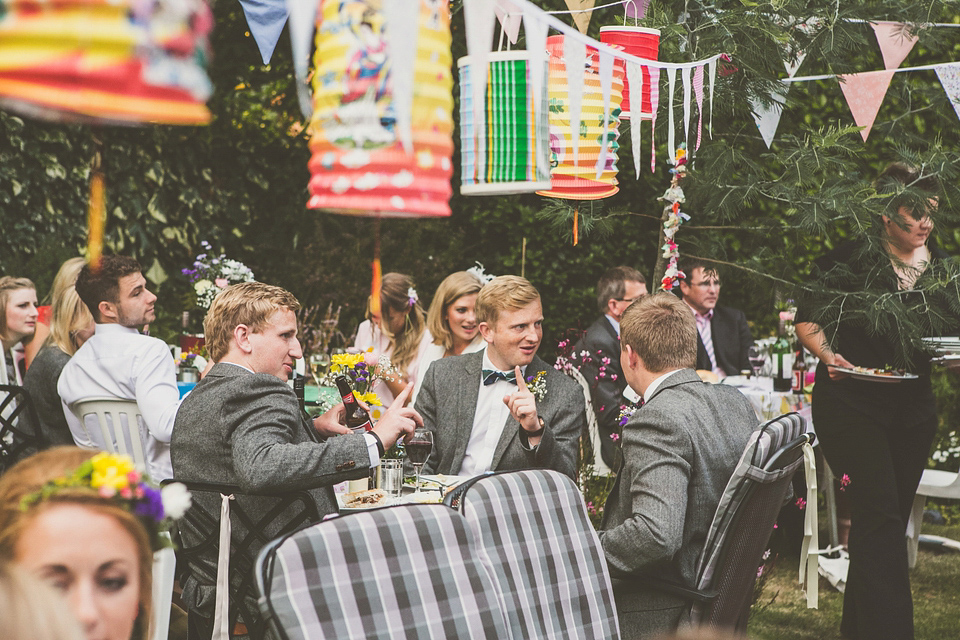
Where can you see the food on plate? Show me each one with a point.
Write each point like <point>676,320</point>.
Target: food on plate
<point>363,499</point>
<point>426,497</point>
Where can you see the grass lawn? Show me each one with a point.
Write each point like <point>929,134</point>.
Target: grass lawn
<point>781,613</point>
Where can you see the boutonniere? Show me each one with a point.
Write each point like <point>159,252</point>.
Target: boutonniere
<point>538,385</point>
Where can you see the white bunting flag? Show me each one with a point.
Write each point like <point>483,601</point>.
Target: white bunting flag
<point>303,21</point>
<point>635,90</point>
<point>654,105</point>
<point>510,17</point>
<point>712,72</point>
<point>767,117</point>
<point>671,129</point>
<point>685,77</point>
<point>949,75</point>
<point>480,18</point>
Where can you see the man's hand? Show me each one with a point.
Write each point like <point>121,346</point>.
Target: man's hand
<point>331,423</point>
<point>398,420</point>
<point>523,408</point>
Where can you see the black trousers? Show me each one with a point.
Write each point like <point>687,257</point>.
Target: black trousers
<point>883,450</point>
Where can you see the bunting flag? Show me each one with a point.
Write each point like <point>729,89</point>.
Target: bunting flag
<point>536,34</point>
<point>671,129</point>
<point>402,31</point>
<point>698,94</point>
<point>265,19</point>
<point>635,9</point>
<point>510,17</point>
<point>581,11</point>
<point>303,20</point>
<point>479,17</point>
<point>712,72</point>
<point>895,42</point>
<point>574,54</point>
<point>949,75</point>
<point>635,88</point>
<point>767,117</point>
<point>864,93</point>
<point>685,78</point>
<point>654,105</point>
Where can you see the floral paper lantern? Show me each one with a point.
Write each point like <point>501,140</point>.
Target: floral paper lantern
<point>642,43</point>
<point>575,178</point>
<point>358,163</point>
<point>106,61</point>
<point>507,152</point>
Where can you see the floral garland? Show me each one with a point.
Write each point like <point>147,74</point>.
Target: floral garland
<point>675,218</point>
<point>113,477</point>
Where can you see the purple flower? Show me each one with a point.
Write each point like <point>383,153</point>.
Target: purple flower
<point>151,506</point>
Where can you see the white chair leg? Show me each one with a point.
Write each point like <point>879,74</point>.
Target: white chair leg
<point>913,529</point>
<point>164,567</point>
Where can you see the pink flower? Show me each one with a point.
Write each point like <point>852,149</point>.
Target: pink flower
<point>844,481</point>
<point>106,491</point>
<point>801,503</point>
<point>615,437</point>
<point>221,282</point>
<point>786,316</point>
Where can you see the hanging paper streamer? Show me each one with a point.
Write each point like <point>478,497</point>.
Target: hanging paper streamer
<point>640,42</point>
<point>574,177</point>
<point>512,154</point>
<point>674,218</point>
<point>106,61</point>
<point>358,165</point>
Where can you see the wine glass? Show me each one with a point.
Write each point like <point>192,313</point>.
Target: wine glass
<point>318,365</point>
<point>757,359</point>
<point>418,449</point>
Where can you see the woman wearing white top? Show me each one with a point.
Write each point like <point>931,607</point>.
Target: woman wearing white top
<point>452,322</point>
<point>398,332</point>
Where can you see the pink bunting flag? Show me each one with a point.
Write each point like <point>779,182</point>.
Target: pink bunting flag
<point>864,93</point>
<point>698,94</point>
<point>895,42</point>
<point>636,9</point>
<point>510,17</point>
<point>949,75</point>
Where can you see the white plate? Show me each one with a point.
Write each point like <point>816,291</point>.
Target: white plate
<point>388,503</point>
<point>430,482</point>
<point>876,377</point>
<point>948,360</point>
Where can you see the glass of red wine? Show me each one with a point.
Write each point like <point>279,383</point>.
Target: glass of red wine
<point>418,449</point>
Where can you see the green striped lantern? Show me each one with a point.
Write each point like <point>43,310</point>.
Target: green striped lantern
<point>508,152</point>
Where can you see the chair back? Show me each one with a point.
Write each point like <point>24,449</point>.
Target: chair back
<point>20,434</point>
<point>120,428</point>
<point>744,521</point>
<point>408,571</point>
<point>532,530</point>
<point>600,468</point>
<point>255,520</point>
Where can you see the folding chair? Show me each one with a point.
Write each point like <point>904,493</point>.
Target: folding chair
<point>742,525</point>
<point>114,418</point>
<point>532,530</point>
<point>255,519</point>
<point>403,572</point>
<point>19,432</point>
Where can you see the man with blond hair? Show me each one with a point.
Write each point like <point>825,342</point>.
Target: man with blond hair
<point>243,425</point>
<point>679,450</point>
<point>502,408</point>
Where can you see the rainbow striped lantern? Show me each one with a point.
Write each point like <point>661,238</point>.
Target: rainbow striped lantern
<point>358,165</point>
<point>576,178</point>
<point>642,43</point>
<point>511,155</point>
<point>106,61</point>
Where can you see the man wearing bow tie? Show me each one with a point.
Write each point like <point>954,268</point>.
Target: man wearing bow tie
<point>485,409</point>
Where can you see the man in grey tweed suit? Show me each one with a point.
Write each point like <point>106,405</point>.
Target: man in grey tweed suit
<point>242,424</point>
<point>679,450</point>
<point>482,413</point>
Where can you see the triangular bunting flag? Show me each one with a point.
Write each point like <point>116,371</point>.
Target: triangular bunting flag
<point>712,73</point>
<point>949,75</point>
<point>654,105</point>
<point>698,94</point>
<point>685,78</point>
<point>671,129</point>
<point>303,20</point>
<point>510,17</point>
<point>635,9</point>
<point>635,90</point>
<point>864,93</point>
<point>480,18</point>
<point>402,31</point>
<point>794,63</point>
<point>895,42</point>
<point>581,12</point>
<point>265,19</point>
<point>768,117</point>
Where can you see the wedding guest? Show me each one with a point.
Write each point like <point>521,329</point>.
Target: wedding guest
<point>87,524</point>
<point>18,321</point>
<point>452,321</point>
<point>398,332</point>
<point>31,609</point>
<point>72,325</point>
<point>66,277</point>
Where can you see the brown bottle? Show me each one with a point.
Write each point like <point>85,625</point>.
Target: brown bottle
<point>357,417</point>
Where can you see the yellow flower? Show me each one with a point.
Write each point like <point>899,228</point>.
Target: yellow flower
<point>345,360</point>
<point>370,398</point>
<point>111,471</point>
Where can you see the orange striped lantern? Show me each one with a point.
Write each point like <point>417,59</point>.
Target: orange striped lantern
<point>576,178</point>
<point>642,43</point>
<point>358,165</point>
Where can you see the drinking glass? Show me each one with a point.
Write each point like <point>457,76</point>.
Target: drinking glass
<point>418,450</point>
<point>318,365</point>
<point>757,359</point>
<point>391,477</point>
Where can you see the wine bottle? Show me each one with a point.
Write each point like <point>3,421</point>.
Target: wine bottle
<point>799,371</point>
<point>357,417</point>
<point>782,364</point>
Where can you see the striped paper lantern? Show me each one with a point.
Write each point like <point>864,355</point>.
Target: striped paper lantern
<point>642,43</point>
<point>575,178</point>
<point>358,165</point>
<point>106,61</point>
<point>510,154</point>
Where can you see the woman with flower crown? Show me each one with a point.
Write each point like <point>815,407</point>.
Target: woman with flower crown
<point>87,523</point>
<point>398,332</point>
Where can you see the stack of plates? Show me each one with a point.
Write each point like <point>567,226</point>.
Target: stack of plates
<point>947,350</point>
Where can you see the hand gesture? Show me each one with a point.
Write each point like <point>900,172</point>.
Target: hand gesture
<point>331,423</point>
<point>522,405</point>
<point>398,420</point>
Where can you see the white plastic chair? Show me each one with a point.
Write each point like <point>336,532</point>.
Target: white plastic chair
<point>933,484</point>
<point>600,467</point>
<point>117,436</point>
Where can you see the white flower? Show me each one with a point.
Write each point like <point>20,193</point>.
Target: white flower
<point>412,297</point>
<point>176,500</point>
<point>480,274</point>
<point>200,286</point>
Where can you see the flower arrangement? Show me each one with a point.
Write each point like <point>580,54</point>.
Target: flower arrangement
<point>363,371</point>
<point>113,477</point>
<point>537,384</point>
<point>211,275</point>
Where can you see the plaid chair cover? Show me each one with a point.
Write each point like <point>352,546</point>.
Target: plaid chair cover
<point>400,572</point>
<point>551,575</point>
<point>19,426</point>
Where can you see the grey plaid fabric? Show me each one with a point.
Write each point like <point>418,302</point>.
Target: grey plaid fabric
<point>399,572</point>
<point>533,531</point>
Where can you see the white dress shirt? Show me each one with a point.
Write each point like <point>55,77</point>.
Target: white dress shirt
<point>652,389</point>
<point>488,423</point>
<point>119,362</point>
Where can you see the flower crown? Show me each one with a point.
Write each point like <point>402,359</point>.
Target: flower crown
<point>480,274</point>
<point>114,477</point>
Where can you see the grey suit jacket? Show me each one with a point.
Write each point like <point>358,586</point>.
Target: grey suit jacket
<point>679,451</point>
<point>238,427</point>
<point>448,403</point>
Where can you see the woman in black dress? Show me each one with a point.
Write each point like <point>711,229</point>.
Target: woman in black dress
<point>878,435</point>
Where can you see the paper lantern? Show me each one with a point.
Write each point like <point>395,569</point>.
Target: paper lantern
<point>358,165</point>
<point>642,43</point>
<point>576,178</point>
<point>511,154</point>
<point>106,61</point>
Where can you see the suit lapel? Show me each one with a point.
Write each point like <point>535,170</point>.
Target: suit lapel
<point>466,389</point>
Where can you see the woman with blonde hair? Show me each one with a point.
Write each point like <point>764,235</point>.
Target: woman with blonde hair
<point>18,321</point>
<point>398,332</point>
<point>87,523</point>
<point>452,322</point>
<point>65,279</point>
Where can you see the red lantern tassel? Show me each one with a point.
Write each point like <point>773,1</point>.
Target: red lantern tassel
<point>377,273</point>
<point>96,218</point>
<point>576,231</point>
